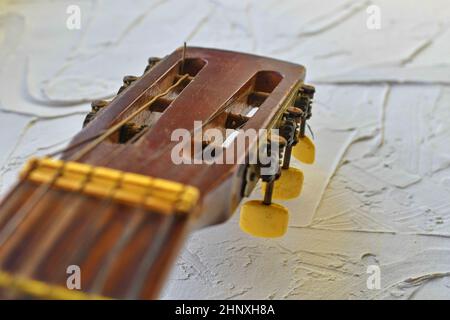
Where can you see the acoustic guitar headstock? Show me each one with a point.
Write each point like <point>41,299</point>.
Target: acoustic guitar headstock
<point>208,119</point>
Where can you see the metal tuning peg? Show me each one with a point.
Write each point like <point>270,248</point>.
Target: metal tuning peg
<point>289,130</point>
<point>96,106</point>
<point>127,81</point>
<point>278,142</point>
<point>265,218</point>
<point>152,61</point>
<point>289,184</point>
<point>304,149</point>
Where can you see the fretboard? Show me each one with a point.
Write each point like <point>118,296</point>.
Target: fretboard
<point>121,251</point>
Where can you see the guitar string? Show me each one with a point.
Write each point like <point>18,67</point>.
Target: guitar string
<point>108,198</point>
<point>104,268</point>
<point>38,255</point>
<point>4,212</point>
<point>118,125</point>
<point>6,232</point>
<point>103,136</point>
<point>74,146</point>
<point>106,134</point>
<point>161,236</point>
<point>35,215</point>
<point>144,268</point>
<point>28,206</point>
<point>151,256</point>
<point>113,129</point>
<point>123,240</point>
<point>91,229</point>
<point>126,236</point>
<point>10,200</point>
<point>130,228</point>
<point>53,232</point>
<point>137,217</point>
<point>128,232</point>
<point>16,193</point>
<point>138,284</point>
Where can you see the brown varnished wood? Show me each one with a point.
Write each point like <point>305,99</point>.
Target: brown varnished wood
<point>217,78</point>
<point>224,74</point>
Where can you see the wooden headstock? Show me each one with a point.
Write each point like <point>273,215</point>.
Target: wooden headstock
<point>222,89</point>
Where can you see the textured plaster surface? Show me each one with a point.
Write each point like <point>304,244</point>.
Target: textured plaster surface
<point>379,193</point>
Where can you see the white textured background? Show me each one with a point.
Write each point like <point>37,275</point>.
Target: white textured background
<point>380,191</point>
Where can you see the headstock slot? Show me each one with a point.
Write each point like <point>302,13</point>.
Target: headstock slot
<point>243,105</point>
<point>253,94</point>
<point>147,118</point>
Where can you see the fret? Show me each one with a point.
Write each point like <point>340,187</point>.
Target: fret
<point>151,245</point>
<point>43,173</point>
<point>98,182</point>
<point>59,226</point>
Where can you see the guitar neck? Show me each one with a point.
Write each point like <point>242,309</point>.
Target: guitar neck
<point>121,250</point>
<point>108,218</point>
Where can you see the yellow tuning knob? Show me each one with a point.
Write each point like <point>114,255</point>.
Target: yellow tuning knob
<point>264,220</point>
<point>288,186</point>
<point>304,150</point>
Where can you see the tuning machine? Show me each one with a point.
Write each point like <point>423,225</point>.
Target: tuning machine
<point>304,149</point>
<point>96,106</point>
<point>152,61</point>
<point>290,182</point>
<point>263,218</point>
<point>127,81</point>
